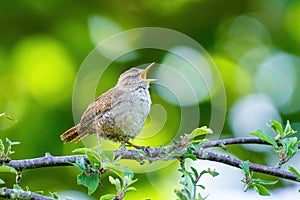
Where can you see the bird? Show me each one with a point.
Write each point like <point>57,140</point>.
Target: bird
<point>119,114</point>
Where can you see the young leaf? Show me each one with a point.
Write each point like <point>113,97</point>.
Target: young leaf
<point>200,131</point>
<point>130,189</point>
<point>80,163</point>
<point>288,131</point>
<point>2,181</point>
<point>261,190</point>
<point>196,174</point>
<point>7,169</point>
<point>265,136</point>
<point>245,167</point>
<point>17,187</point>
<point>90,181</point>
<point>277,127</point>
<point>112,180</point>
<point>93,157</point>
<point>294,171</point>
<point>264,182</point>
<point>54,195</point>
<point>116,182</point>
<point>213,173</point>
<point>107,197</point>
<point>79,150</point>
<point>107,156</point>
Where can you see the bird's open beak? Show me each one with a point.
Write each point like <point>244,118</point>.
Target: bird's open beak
<point>144,74</point>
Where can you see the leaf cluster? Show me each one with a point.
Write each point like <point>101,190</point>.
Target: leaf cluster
<point>100,162</point>
<point>285,145</point>
<point>256,183</point>
<point>190,181</point>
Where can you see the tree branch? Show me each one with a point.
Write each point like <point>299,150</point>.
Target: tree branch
<point>231,141</point>
<point>152,154</point>
<point>20,194</point>
<point>238,140</point>
<point>207,155</point>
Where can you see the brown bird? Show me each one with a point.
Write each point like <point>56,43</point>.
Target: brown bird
<point>120,113</point>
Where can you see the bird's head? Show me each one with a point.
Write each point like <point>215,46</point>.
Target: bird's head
<point>135,77</point>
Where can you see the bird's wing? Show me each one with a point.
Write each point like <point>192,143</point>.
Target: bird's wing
<point>99,106</point>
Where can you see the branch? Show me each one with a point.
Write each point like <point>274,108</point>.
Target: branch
<point>41,162</point>
<point>238,140</point>
<point>153,154</point>
<point>230,141</point>
<point>207,155</point>
<point>20,194</point>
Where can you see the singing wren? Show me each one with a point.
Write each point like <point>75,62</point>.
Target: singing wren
<point>118,114</point>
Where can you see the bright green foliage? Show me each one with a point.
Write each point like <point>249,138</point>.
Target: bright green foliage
<point>280,133</point>
<point>265,136</point>
<point>285,145</point>
<point>288,149</point>
<point>199,132</point>
<point>190,181</point>
<point>53,195</point>
<point>255,183</point>
<point>5,152</point>
<point>294,171</point>
<point>91,181</point>
<point>99,163</point>
<point>122,187</point>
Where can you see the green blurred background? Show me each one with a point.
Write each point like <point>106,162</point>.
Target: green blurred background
<point>254,43</point>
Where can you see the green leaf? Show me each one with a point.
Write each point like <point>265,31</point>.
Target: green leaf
<point>107,156</point>
<point>80,163</point>
<point>7,169</point>
<point>93,157</point>
<point>265,136</point>
<point>277,127</point>
<point>116,182</point>
<point>261,190</point>
<point>39,192</point>
<point>90,181</point>
<point>289,146</point>
<point>131,189</point>
<point>213,173</point>
<point>54,195</point>
<point>245,167</point>
<point>294,171</point>
<point>79,150</point>
<point>2,181</point>
<point>112,180</point>
<point>120,170</point>
<point>17,187</point>
<point>264,182</point>
<point>288,131</point>
<point>2,147</point>
<point>196,174</point>
<point>131,181</point>
<point>107,197</point>
<point>200,131</point>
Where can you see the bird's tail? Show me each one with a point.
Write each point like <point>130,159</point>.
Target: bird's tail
<point>70,135</point>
